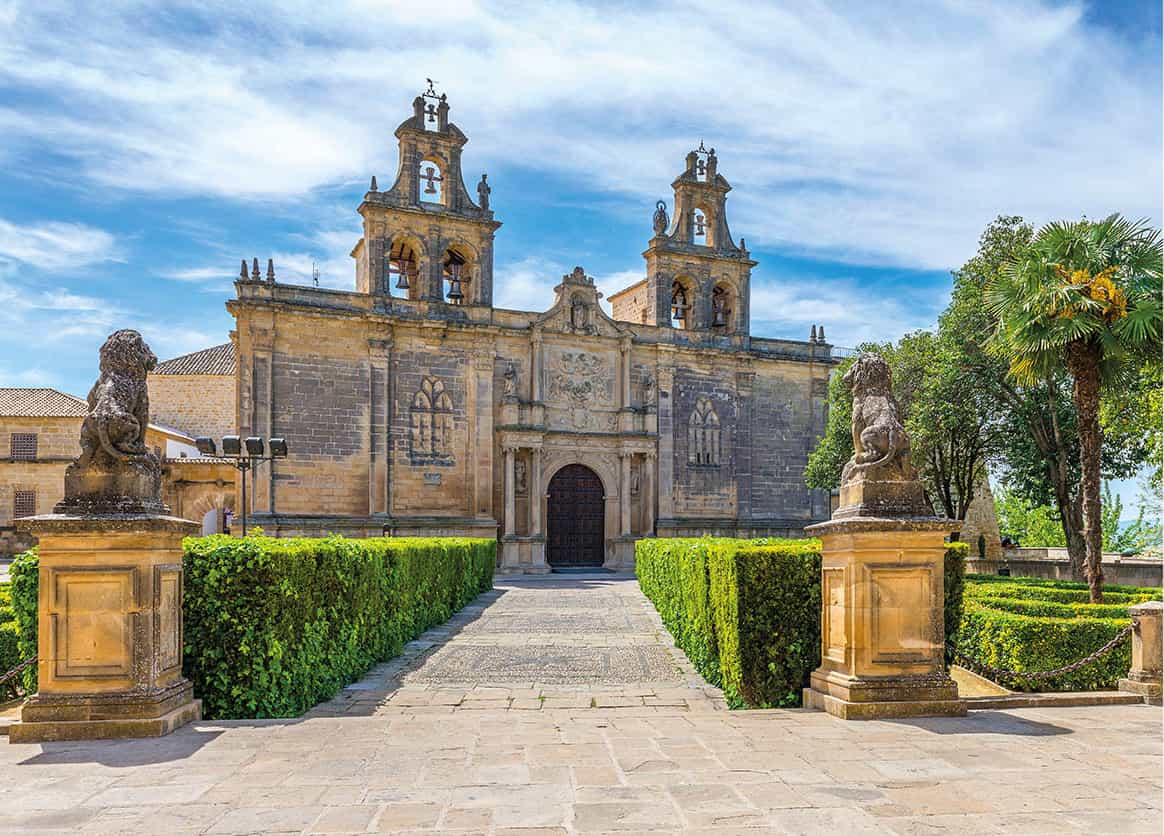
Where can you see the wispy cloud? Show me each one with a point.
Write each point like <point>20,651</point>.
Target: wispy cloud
<point>54,246</point>
<point>895,148</point>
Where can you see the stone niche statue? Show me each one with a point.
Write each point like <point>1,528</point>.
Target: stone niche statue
<point>116,473</point>
<point>659,221</point>
<point>878,481</point>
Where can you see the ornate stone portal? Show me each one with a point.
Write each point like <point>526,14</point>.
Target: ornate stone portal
<point>882,590</point>
<point>110,605</point>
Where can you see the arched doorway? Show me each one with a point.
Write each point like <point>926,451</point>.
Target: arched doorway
<point>576,526</point>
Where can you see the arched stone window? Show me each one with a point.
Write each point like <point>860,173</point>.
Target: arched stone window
<point>703,435</point>
<point>721,307</point>
<point>431,181</point>
<point>457,271</point>
<point>432,423</point>
<point>680,305</point>
<point>701,227</point>
<point>404,268</point>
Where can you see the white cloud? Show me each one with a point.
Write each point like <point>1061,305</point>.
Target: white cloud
<point>850,312</point>
<point>848,131</point>
<point>53,246</point>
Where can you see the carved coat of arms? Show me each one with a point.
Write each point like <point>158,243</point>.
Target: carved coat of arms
<point>580,382</point>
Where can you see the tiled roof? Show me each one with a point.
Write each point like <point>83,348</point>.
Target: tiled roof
<point>41,403</point>
<point>218,359</point>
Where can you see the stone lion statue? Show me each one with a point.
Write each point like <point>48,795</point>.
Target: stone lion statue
<point>879,438</point>
<point>113,432</point>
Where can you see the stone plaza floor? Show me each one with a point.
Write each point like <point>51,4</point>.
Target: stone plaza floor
<point>559,705</point>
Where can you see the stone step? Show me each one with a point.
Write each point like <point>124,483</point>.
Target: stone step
<point>1063,699</point>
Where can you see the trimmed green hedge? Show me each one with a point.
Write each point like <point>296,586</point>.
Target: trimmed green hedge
<point>747,612</point>
<point>9,651</point>
<point>1035,624</point>
<point>25,589</point>
<point>275,626</point>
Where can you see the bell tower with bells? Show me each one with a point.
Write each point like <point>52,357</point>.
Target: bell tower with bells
<point>698,278</point>
<point>425,239</point>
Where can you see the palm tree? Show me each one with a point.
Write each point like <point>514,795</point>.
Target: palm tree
<point>1086,296</point>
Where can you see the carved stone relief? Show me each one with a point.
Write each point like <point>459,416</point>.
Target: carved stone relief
<point>581,392</point>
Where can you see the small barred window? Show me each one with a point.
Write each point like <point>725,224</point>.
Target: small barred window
<point>23,446</point>
<point>24,504</point>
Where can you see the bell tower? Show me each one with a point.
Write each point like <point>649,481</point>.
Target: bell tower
<point>698,278</point>
<point>425,239</point>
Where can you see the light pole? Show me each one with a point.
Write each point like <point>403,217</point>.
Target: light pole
<point>247,454</point>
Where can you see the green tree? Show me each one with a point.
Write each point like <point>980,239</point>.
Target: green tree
<point>1083,296</point>
<point>1026,523</point>
<point>1036,450</point>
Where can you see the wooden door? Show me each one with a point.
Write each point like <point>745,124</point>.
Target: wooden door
<point>576,534</point>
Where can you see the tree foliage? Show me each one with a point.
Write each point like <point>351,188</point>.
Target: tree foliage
<point>1082,297</point>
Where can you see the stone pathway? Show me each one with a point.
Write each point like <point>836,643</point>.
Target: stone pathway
<point>469,743</point>
<point>565,641</point>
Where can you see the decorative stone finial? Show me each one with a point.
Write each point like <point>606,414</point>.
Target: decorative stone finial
<point>878,481</point>
<point>116,473</point>
<point>812,335</point>
<point>270,271</point>
<point>374,187</point>
<point>255,270</point>
<point>242,275</point>
<point>483,192</point>
<point>660,220</point>
<point>821,335</point>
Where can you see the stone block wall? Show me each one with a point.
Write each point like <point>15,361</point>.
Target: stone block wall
<point>196,404</point>
<point>57,445</point>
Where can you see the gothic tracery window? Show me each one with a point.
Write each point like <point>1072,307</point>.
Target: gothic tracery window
<point>432,422</point>
<point>703,435</point>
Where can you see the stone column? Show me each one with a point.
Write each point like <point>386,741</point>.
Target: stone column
<point>882,585</point>
<point>649,463</point>
<point>1145,675</point>
<point>666,487</point>
<point>625,373</point>
<point>535,492</point>
<point>510,499</point>
<point>624,498</point>
<point>535,366</point>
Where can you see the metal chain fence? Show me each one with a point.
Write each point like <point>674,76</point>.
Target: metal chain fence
<point>998,674</point>
<point>17,671</point>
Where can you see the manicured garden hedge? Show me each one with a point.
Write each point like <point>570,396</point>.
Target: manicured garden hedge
<point>274,626</point>
<point>1028,624</point>
<point>747,612</point>
<point>9,653</point>
<point>24,590</point>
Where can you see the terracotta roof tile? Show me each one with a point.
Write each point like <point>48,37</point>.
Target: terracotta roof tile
<point>41,403</point>
<point>217,359</point>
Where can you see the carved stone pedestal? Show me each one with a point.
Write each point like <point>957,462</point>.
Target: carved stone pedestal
<point>882,628</point>
<point>523,554</point>
<point>110,629</point>
<point>1145,677</point>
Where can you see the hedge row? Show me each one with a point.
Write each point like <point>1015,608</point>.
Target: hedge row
<point>9,652</point>
<point>1016,589</point>
<point>274,626</point>
<point>747,612</point>
<point>1034,624</point>
<point>24,589</point>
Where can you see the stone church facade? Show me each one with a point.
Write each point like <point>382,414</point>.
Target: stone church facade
<point>413,406</point>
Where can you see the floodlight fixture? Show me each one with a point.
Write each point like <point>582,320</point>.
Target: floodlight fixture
<point>278,448</point>
<point>231,445</point>
<point>254,446</point>
<point>206,446</point>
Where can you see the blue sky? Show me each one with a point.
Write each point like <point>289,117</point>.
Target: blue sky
<point>146,148</point>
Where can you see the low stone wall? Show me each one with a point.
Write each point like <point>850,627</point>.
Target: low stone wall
<point>1053,564</point>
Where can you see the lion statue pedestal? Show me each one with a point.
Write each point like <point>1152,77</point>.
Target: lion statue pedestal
<point>110,617</point>
<point>882,584</point>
